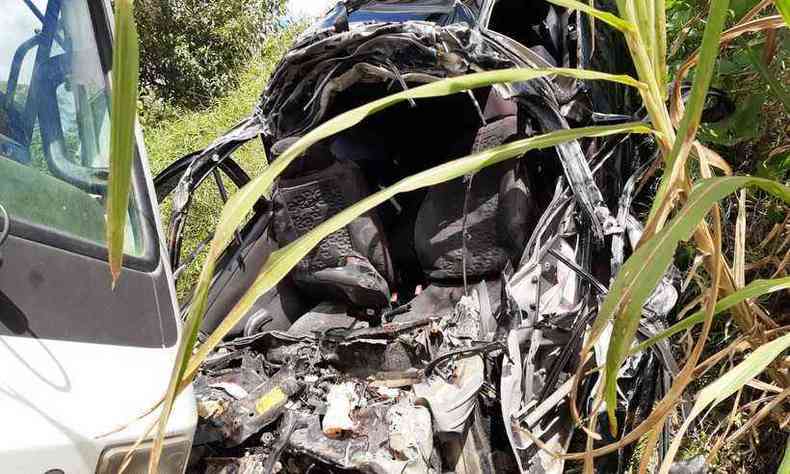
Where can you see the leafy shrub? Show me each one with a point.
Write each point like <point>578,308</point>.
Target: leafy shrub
<point>192,50</point>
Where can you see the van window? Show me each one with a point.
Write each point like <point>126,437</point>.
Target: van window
<point>54,122</point>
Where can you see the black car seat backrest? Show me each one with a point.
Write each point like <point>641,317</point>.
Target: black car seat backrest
<point>499,208</point>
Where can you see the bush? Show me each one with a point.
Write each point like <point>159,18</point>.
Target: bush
<point>192,50</point>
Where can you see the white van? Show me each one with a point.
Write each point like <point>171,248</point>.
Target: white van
<point>79,362</point>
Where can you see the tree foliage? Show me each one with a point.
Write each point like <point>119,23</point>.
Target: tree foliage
<point>192,51</point>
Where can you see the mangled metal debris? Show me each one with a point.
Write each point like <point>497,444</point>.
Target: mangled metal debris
<point>386,422</point>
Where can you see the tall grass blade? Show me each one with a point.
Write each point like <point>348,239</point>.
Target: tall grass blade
<point>739,254</point>
<point>728,384</point>
<point>687,129</point>
<point>282,261</point>
<point>660,18</point>
<point>755,289</point>
<point>784,8</point>
<point>242,202</point>
<point>606,17</point>
<point>646,266</point>
<point>785,467</point>
<point>125,75</point>
<point>646,22</point>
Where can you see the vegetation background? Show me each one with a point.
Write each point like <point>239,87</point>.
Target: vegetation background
<point>192,51</point>
<point>204,64</point>
<point>754,72</point>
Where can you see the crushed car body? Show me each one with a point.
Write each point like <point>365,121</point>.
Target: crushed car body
<point>439,332</point>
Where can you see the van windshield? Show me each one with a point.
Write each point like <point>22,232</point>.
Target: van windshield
<point>54,123</point>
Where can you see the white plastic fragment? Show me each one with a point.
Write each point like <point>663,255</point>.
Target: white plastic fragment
<point>234,390</point>
<point>341,401</point>
<point>452,403</point>
<point>411,436</point>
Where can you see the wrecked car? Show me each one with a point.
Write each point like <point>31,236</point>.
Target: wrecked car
<point>438,332</point>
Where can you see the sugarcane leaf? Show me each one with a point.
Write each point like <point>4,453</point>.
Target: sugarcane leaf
<point>646,24</point>
<point>125,75</point>
<point>755,289</point>
<point>738,376</point>
<point>785,467</point>
<point>283,260</point>
<point>661,45</point>
<point>242,202</point>
<point>687,129</point>
<point>606,17</point>
<point>784,8</point>
<point>644,269</point>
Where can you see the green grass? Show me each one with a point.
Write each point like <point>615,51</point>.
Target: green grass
<point>171,133</point>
